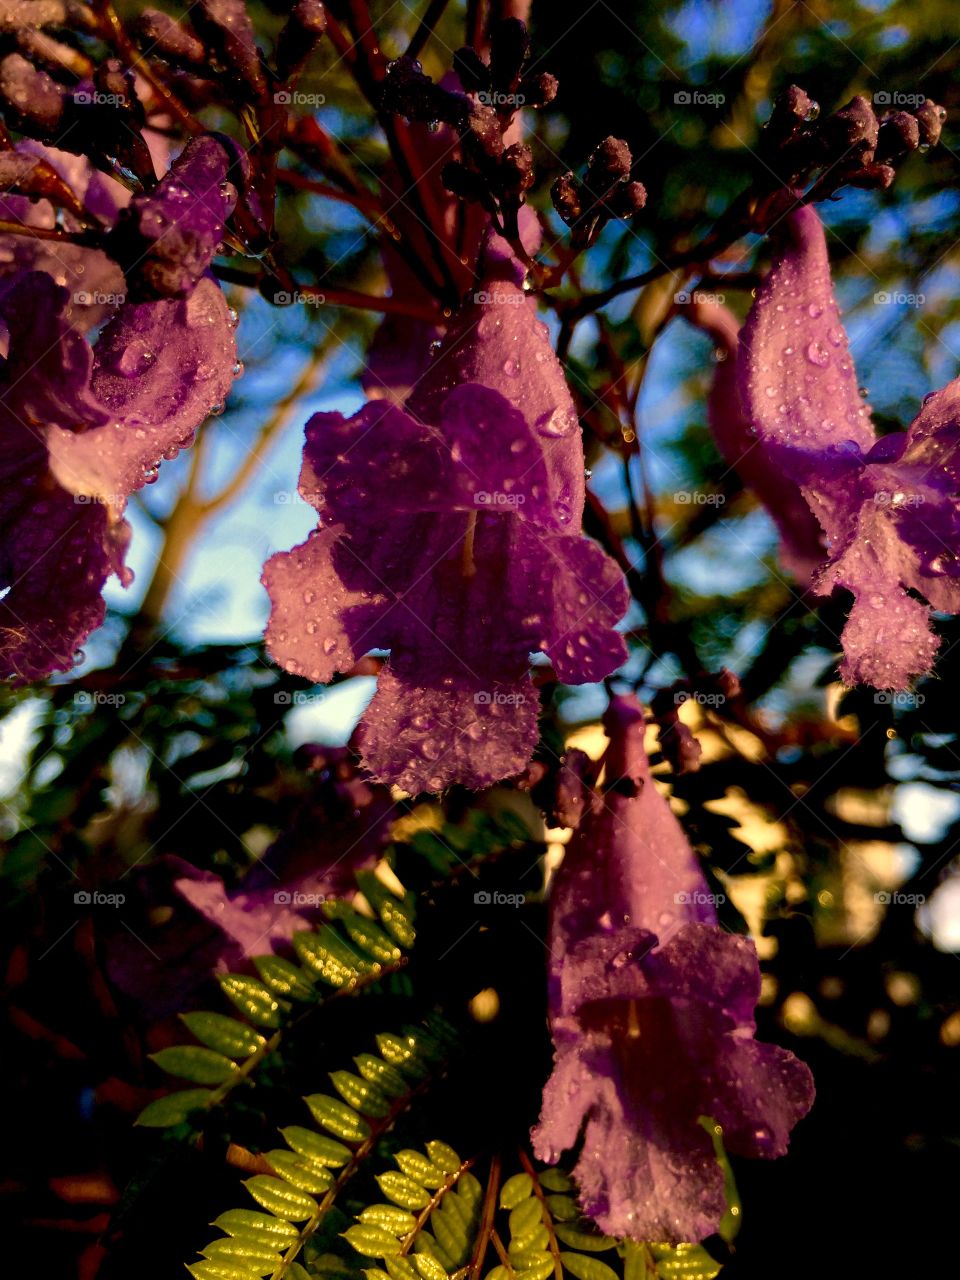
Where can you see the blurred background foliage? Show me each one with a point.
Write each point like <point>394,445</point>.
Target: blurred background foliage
<point>831,818</point>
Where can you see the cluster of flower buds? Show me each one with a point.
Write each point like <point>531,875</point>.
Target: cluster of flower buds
<point>100,117</point>
<point>606,191</point>
<point>708,689</point>
<point>852,147</point>
<point>221,44</point>
<point>493,170</point>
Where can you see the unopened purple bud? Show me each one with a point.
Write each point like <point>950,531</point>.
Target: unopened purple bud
<point>609,163</point>
<point>472,72</point>
<point>509,50</point>
<point>930,118</point>
<point>873,177</point>
<point>162,34</point>
<point>227,26</point>
<point>567,196</point>
<point>35,100</point>
<point>485,132</point>
<point>517,169</point>
<point>792,109</point>
<point>301,35</point>
<point>539,90</point>
<point>899,134</point>
<point>854,128</point>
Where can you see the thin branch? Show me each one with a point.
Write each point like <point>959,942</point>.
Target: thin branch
<point>486,1218</point>
<point>425,30</point>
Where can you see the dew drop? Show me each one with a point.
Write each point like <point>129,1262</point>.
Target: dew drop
<point>818,355</point>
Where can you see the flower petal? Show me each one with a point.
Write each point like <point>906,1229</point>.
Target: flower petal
<point>426,739</point>
<point>797,380</point>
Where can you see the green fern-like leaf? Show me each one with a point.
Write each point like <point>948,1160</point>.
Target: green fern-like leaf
<point>349,952</point>
<point>309,1173</point>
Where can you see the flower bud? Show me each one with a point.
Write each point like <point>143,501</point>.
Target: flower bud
<point>930,118</point>
<point>165,36</point>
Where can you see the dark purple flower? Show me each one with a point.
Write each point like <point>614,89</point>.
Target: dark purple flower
<point>888,507</point>
<point>450,535</point>
<point>83,427</point>
<point>194,924</point>
<point>801,538</point>
<point>652,1018</point>
<point>166,240</point>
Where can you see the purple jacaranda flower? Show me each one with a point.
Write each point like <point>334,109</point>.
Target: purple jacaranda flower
<point>450,535</point>
<point>82,428</point>
<point>339,827</point>
<point>651,1006</point>
<point>801,538</point>
<point>888,507</point>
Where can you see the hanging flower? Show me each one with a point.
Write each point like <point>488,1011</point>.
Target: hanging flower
<point>888,507</point>
<point>652,1017</point>
<point>450,535</point>
<point>83,427</point>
